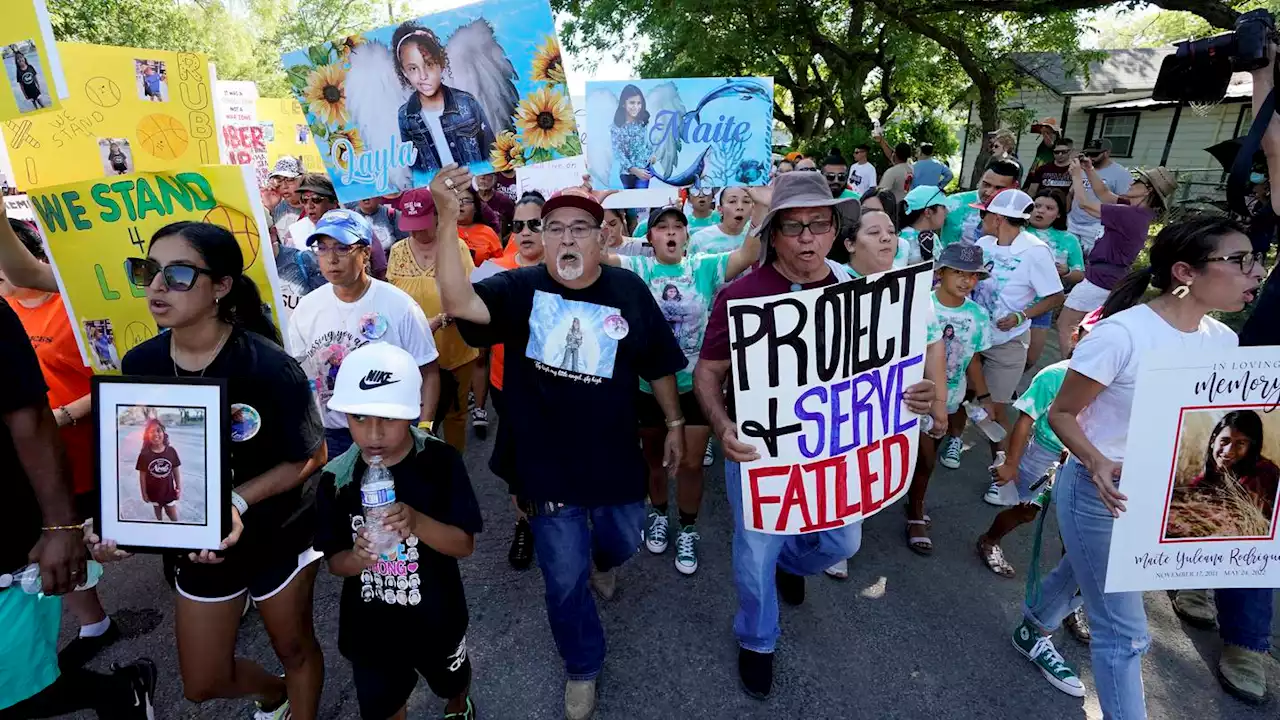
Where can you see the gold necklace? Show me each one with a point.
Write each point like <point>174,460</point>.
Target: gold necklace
<point>207,361</point>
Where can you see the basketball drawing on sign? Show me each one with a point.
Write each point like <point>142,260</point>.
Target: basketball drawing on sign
<point>163,136</point>
<point>240,225</point>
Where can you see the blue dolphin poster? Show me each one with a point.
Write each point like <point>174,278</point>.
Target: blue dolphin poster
<point>686,132</point>
<point>481,85</point>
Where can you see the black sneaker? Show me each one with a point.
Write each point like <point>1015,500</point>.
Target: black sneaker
<point>756,672</point>
<point>140,678</point>
<point>790,587</point>
<point>521,554</point>
<point>83,649</point>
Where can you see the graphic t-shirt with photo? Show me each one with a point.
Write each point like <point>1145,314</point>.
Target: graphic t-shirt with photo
<point>713,240</point>
<point>966,331</point>
<point>574,360</point>
<point>963,223</point>
<point>158,470</point>
<point>684,293</point>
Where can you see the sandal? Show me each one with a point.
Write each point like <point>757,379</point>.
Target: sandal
<point>993,556</point>
<point>921,545</point>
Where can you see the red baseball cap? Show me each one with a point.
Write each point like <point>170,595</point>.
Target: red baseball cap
<point>417,210</point>
<point>565,199</point>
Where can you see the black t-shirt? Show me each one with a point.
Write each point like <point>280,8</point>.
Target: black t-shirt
<point>158,465</point>
<point>263,379</point>
<point>24,388</point>
<point>419,596</point>
<point>1051,177</point>
<point>573,365</point>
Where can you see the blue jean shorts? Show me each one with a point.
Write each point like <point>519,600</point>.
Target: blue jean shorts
<point>28,644</point>
<point>1036,461</point>
<point>1043,321</point>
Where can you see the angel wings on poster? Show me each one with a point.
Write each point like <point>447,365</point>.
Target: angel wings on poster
<point>482,85</point>
<point>690,132</point>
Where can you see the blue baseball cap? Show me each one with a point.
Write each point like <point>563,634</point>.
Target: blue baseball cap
<point>346,226</point>
<point>925,196</point>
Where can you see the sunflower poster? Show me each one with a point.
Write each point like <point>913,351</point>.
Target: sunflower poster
<point>1201,474</point>
<point>32,66</point>
<point>131,110</point>
<point>687,132</point>
<point>92,227</point>
<point>481,85</point>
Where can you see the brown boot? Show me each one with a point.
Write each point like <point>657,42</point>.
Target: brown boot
<point>1196,608</point>
<point>1243,673</point>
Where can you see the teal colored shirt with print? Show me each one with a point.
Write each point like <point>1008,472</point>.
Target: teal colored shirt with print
<point>713,240</point>
<point>684,293</point>
<point>1036,401</point>
<point>1065,247</point>
<point>962,223</point>
<point>695,224</point>
<point>965,331</point>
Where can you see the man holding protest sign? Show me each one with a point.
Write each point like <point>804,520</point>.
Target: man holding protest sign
<point>798,232</point>
<point>592,332</point>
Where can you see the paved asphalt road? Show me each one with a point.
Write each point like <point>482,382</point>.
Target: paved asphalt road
<point>903,637</point>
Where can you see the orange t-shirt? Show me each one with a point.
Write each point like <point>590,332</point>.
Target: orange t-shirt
<point>498,354</point>
<point>481,240</point>
<point>66,375</point>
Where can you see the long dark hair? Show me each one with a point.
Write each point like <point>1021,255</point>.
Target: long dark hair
<point>889,201</point>
<point>620,115</point>
<point>484,215</point>
<point>428,43</point>
<point>242,306</point>
<point>1061,201</point>
<point>1189,241</point>
<point>1247,423</point>
<point>29,238</point>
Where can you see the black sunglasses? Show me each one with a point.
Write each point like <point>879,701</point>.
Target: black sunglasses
<point>517,226</point>
<point>838,177</point>
<point>178,276</point>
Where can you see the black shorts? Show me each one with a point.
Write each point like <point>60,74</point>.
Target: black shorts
<point>272,550</point>
<point>383,690</point>
<point>650,412</point>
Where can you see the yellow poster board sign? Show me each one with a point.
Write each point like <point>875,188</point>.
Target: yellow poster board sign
<point>92,227</point>
<point>287,132</point>
<point>32,70</point>
<point>130,111</point>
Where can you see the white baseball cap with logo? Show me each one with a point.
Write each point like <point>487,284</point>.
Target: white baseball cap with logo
<point>1011,202</point>
<point>378,380</point>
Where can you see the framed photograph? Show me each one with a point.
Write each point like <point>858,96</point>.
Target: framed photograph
<point>160,459</point>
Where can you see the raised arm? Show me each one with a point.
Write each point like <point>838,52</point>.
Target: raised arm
<point>1098,186</point>
<point>1264,83</point>
<point>1088,204</point>
<point>19,266</point>
<point>749,252</point>
<point>457,297</point>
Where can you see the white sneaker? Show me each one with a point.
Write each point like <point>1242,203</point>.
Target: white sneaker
<point>998,495</point>
<point>655,536</point>
<point>839,571</point>
<point>708,456</point>
<point>579,699</point>
<point>950,455</point>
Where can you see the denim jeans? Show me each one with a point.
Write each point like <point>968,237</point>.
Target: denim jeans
<point>566,539</point>
<point>1118,620</point>
<point>1244,617</point>
<point>757,554</point>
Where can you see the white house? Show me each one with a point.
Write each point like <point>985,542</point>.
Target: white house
<point>1114,101</point>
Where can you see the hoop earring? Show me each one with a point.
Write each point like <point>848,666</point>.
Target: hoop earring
<point>1182,291</point>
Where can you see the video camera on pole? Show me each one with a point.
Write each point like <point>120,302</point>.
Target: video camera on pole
<point>1200,70</point>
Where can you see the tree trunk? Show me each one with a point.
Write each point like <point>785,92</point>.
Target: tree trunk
<point>989,117</point>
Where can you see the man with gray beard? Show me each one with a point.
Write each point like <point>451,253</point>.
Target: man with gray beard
<point>579,336</point>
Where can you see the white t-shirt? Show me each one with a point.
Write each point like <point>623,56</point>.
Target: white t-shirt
<point>1020,272</point>
<point>1117,178</point>
<point>432,119</point>
<point>324,330</point>
<point>299,232</point>
<point>862,177</point>
<point>713,240</point>
<point>1111,355</point>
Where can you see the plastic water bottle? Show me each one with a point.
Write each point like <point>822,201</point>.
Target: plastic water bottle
<point>989,427</point>
<point>28,578</point>
<point>377,495</point>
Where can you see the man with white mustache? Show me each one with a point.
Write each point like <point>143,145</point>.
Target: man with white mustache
<point>579,336</point>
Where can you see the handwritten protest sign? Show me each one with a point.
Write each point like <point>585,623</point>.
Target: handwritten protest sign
<point>240,137</point>
<point>130,110</point>
<point>818,377</point>
<point>709,132</point>
<point>92,227</point>
<point>284,127</point>
<point>1202,476</point>
<point>32,65</point>
<point>481,85</point>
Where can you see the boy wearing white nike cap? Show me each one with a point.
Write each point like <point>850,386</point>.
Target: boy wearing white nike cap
<point>403,613</point>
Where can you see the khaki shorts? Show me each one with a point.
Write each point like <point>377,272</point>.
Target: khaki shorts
<point>1002,367</point>
<point>1086,297</point>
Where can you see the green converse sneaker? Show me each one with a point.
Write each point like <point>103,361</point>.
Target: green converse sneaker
<point>687,550</point>
<point>1039,649</point>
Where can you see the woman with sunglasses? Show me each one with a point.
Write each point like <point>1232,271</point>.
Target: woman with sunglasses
<point>318,197</point>
<point>1198,266</point>
<point>524,249</point>
<point>196,289</point>
<point>1126,220</point>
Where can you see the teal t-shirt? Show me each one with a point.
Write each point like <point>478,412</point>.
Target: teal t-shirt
<point>1036,401</point>
<point>713,240</point>
<point>962,223</point>
<point>695,224</point>
<point>965,331</point>
<point>1065,247</point>
<point>684,292</point>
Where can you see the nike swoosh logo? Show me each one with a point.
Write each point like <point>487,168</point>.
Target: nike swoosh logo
<point>366,385</point>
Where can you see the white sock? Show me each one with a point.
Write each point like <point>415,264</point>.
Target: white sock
<point>96,629</point>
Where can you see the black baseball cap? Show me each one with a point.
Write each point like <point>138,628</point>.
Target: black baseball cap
<point>964,257</point>
<point>656,214</point>
<point>1097,146</point>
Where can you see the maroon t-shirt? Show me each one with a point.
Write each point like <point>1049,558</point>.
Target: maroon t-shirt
<point>1123,236</point>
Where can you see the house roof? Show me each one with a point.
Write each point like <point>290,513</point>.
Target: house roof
<point>1122,71</point>
<point>1239,90</point>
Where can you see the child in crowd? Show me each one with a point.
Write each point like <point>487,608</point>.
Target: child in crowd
<point>159,478</point>
<point>403,613</point>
